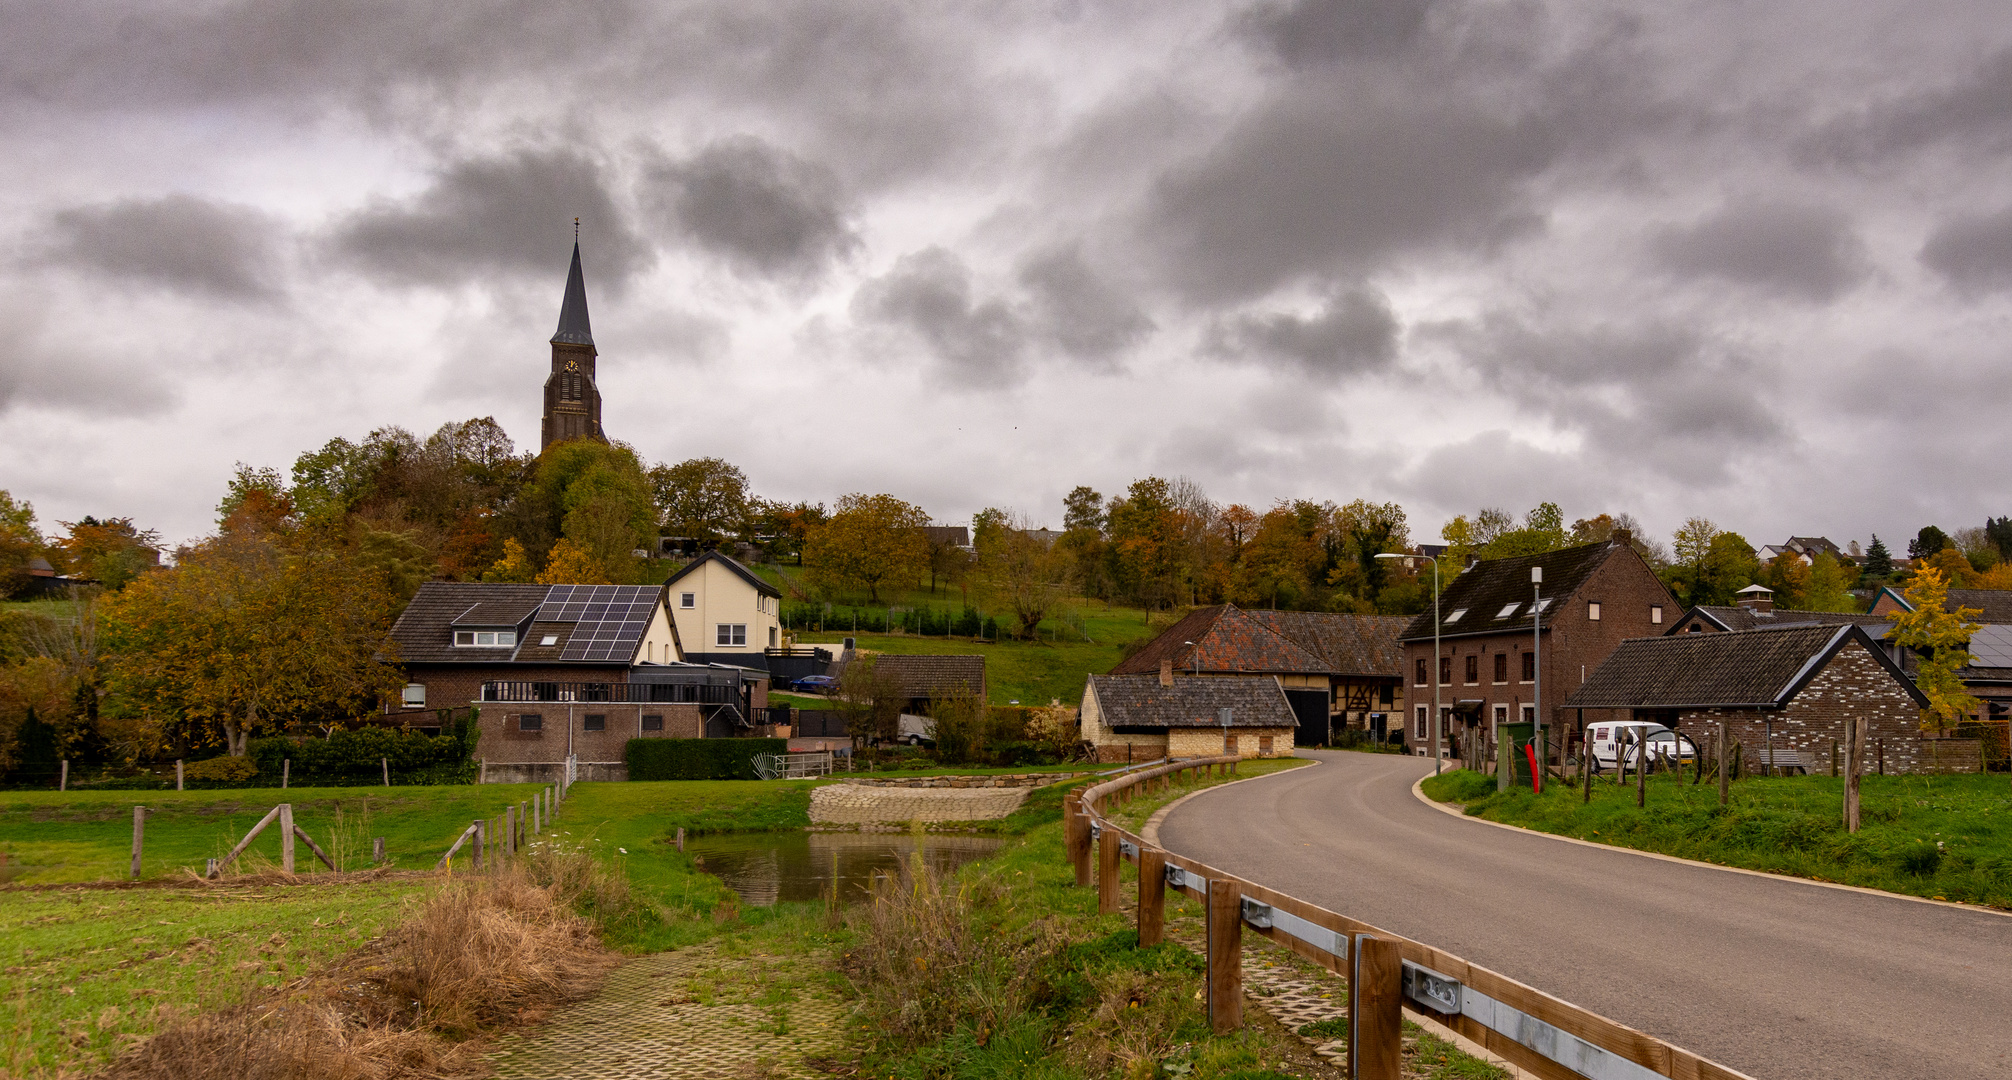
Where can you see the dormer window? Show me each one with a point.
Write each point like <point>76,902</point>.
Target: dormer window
<point>487,639</point>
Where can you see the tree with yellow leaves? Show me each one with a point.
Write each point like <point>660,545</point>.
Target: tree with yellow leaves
<point>515,565</point>
<point>869,541</point>
<point>1941,636</point>
<point>570,564</point>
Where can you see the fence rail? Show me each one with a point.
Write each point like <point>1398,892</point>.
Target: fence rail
<point>1548,1037</point>
<point>622,693</point>
<point>793,766</point>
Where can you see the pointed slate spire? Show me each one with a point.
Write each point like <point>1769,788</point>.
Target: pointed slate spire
<point>573,326</point>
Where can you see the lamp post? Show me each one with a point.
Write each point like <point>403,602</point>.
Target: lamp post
<point>1435,647</point>
<point>1537,663</point>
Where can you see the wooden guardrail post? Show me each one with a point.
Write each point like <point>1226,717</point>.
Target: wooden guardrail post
<point>139,834</point>
<point>286,831</point>
<point>1225,954</point>
<point>377,851</point>
<point>1107,872</point>
<point>1376,1022</point>
<point>1152,896</point>
<point>1854,763</point>
<point>178,774</point>
<point>1078,836</point>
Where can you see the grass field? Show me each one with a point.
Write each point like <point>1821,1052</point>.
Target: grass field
<point>1945,837</point>
<point>1029,672</point>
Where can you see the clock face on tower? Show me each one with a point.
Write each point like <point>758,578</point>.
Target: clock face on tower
<point>572,365</point>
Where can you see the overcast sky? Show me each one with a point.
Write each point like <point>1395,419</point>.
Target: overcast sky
<point>1746,260</point>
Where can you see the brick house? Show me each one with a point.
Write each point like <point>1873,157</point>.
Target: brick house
<point>1147,717</point>
<point>1989,676</point>
<point>559,671</point>
<point>1592,598</point>
<point>1336,670</point>
<point>1795,685</point>
<point>1756,611</point>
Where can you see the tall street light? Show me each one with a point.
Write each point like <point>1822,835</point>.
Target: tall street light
<point>1435,647</point>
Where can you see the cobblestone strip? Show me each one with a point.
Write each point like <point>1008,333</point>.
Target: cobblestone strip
<point>1293,992</point>
<point>648,1023</point>
<point>858,803</point>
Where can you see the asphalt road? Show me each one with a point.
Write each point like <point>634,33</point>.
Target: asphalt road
<point>1779,979</point>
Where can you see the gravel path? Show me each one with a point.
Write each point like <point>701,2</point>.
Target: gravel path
<point>851,804</point>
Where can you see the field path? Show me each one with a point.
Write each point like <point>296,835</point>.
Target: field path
<point>694,1012</point>
<point>1780,979</point>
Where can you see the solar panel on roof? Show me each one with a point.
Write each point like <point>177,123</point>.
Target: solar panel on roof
<point>608,619</point>
<point>1991,646</point>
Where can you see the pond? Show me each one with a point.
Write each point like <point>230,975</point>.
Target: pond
<point>765,868</point>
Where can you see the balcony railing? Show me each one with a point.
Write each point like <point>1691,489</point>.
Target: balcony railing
<point>616,693</point>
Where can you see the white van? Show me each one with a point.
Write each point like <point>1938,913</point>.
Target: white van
<point>1630,739</point>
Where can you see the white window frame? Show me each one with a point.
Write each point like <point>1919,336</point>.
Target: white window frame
<point>414,695</point>
<point>1656,614</point>
<point>688,601</point>
<point>1508,609</point>
<point>1424,716</point>
<point>730,635</point>
<point>484,639</point>
<point>1592,611</point>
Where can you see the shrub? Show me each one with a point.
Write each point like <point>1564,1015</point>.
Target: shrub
<point>356,754</point>
<point>697,759</point>
<point>1921,860</point>
<point>220,768</point>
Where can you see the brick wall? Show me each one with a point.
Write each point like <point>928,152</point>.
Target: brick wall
<point>504,742</point>
<point>1853,684</point>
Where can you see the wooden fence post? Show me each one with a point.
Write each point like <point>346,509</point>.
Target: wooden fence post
<point>681,840</point>
<point>481,836</point>
<point>523,826</point>
<point>285,772</point>
<point>268,819</point>
<point>1641,774</point>
<point>1152,896</point>
<point>1108,858</point>
<point>1833,759</point>
<point>1225,952</point>
<point>377,851</point>
<point>1376,1022</point>
<point>1586,769</point>
<point>1078,833</point>
<point>139,834</point>
<point>385,764</point>
<point>1854,762</point>
<point>286,837</point>
<point>1725,767</point>
<point>178,774</point>
<point>1882,757</point>
<point>63,783</point>
<point>314,847</point>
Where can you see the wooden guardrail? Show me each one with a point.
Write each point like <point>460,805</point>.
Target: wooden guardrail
<point>1386,972</point>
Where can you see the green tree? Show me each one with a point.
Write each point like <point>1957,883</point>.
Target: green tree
<point>1146,540</point>
<point>1830,583</point>
<point>871,540</point>
<point>19,542</point>
<point>601,499</point>
<point>1788,576</point>
<point>1366,530</point>
<point>1942,637</point>
<point>1928,542</point>
<point>703,499</point>
<point>1543,529</point>
<point>1878,561</point>
<point>1017,571</point>
<point>110,552</point>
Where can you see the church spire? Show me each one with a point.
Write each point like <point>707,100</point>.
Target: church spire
<point>573,326</point>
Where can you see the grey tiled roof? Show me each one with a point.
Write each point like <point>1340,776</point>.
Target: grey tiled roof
<point>1481,593</point>
<point>1347,644</point>
<point>1140,701</point>
<point>425,629</point>
<point>424,632</point>
<point>935,676</point>
<point>1745,668</point>
<point>1744,617</point>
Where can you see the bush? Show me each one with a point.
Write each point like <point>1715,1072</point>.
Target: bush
<point>356,754</point>
<point>221,768</point>
<point>697,759</point>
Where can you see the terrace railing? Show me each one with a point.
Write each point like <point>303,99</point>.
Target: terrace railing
<point>636,693</point>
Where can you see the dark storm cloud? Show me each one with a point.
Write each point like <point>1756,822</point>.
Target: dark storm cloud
<point>1311,32</point>
<point>511,213</point>
<point>929,293</point>
<point>1353,333</point>
<point>1080,311</point>
<point>1974,253</point>
<point>1969,112</point>
<point>41,373</point>
<point>764,210</point>
<point>1802,252</point>
<point>179,242</point>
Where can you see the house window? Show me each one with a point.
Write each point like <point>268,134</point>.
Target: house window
<point>1421,671</point>
<point>735,634</point>
<point>485,638</point>
<point>1508,610</point>
<point>1529,714</point>
<point>549,640</point>
<point>1389,696</point>
<point>1529,667</point>
<point>530,721</point>
<point>1229,744</point>
<point>594,722</point>
<point>415,695</point>
<point>771,637</point>
<point>1421,722</point>
<point>1264,746</point>
<point>653,722</point>
<point>1656,614</point>
<point>1455,617</point>
<point>1445,670</point>
<point>1501,667</point>
<point>688,600</point>
<point>1473,670</point>
<point>1592,611</point>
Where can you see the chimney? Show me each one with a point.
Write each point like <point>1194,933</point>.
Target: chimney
<point>1623,536</point>
<point>1166,673</point>
<point>1758,597</point>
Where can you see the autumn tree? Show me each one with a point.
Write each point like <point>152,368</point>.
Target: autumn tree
<point>250,631</point>
<point>870,701</point>
<point>110,552</point>
<point>601,499</point>
<point>514,565</point>
<point>871,540</point>
<point>1941,636</point>
<point>570,564</point>
<point>782,528</point>
<point>1083,543</point>
<point>1955,569</point>
<point>704,499</point>
<point>1788,576</point>
<point>19,542</point>
<point>1017,571</point>
<point>1145,534</point>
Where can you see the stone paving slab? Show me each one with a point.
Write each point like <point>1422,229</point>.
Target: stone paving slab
<point>859,804</point>
<point>646,1024</point>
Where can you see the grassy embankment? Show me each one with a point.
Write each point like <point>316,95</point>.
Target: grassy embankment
<point>1944,837</point>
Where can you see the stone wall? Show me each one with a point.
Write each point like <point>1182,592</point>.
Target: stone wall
<point>1209,742</point>
<point>1008,780</point>
<point>1853,684</point>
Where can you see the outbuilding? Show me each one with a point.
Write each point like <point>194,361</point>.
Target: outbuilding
<point>1145,717</point>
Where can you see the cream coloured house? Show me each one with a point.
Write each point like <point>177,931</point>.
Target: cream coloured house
<point>724,612</point>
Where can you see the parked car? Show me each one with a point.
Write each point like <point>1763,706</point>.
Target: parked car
<point>1622,744</point>
<point>917,730</point>
<point>814,684</point>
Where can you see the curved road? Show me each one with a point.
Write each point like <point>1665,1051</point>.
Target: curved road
<point>1779,979</point>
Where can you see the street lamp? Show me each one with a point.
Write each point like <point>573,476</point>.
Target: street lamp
<point>1435,647</point>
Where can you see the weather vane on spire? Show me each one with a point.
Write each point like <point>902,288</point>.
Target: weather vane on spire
<point>576,230</point>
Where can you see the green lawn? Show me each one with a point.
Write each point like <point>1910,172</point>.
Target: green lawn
<point>1029,672</point>
<point>1946,837</point>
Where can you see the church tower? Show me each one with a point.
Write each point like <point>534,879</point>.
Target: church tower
<point>572,401</point>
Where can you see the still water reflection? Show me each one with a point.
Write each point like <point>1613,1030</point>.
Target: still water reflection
<point>768,867</point>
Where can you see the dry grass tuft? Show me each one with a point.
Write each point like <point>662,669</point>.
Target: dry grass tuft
<point>480,953</point>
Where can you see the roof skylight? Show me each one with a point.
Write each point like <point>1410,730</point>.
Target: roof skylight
<point>1457,612</point>
<point>1508,610</point>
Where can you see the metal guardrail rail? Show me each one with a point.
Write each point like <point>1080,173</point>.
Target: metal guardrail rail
<point>1386,972</point>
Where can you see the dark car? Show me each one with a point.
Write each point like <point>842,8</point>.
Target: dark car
<point>814,684</point>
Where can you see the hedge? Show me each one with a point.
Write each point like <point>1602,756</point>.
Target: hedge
<point>354,755</point>
<point>697,759</point>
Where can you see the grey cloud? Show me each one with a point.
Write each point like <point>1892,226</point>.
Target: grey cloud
<point>1081,311</point>
<point>1973,252</point>
<point>1969,113</point>
<point>1803,252</point>
<point>1307,32</point>
<point>1353,333</point>
<point>37,372</point>
<point>178,242</point>
<point>763,209</point>
<point>511,213</point>
<point>929,293</point>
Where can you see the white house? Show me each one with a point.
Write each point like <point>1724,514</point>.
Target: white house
<point>725,613</point>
